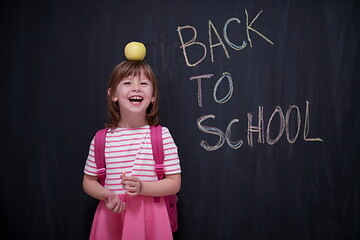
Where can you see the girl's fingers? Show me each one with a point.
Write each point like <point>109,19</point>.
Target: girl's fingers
<point>123,206</point>
<point>131,189</point>
<point>120,206</point>
<point>130,180</point>
<point>111,205</point>
<point>130,183</point>
<point>132,194</point>
<point>116,208</point>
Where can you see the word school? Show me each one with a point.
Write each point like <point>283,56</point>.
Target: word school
<point>259,128</point>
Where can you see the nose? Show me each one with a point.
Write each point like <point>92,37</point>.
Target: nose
<point>136,87</point>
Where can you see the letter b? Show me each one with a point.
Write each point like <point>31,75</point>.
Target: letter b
<point>189,43</point>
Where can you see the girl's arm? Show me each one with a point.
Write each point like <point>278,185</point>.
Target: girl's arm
<point>167,186</point>
<point>96,190</point>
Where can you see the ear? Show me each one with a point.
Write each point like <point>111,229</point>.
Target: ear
<point>114,99</point>
<point>153,99</point>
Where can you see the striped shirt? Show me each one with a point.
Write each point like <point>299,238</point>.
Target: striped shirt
<point>129,150</point>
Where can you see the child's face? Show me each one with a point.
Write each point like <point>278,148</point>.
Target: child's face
<point>134,94</point>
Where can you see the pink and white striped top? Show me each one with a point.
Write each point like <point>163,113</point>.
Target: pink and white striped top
<point>129,150</point>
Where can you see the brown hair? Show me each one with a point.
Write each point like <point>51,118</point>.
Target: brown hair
<point>121,71</point>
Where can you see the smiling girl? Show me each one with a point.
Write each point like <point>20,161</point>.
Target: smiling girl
<point>127,208</point>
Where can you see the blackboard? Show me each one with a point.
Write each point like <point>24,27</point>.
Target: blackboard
<point>261,98</point>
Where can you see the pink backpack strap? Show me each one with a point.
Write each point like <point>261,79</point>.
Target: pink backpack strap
<point>158,150</point>
<point>100,155</point>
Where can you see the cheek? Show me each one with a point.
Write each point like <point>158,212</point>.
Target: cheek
<point>121,92</point>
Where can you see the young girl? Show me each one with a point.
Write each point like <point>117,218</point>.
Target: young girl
<point>127,209</point>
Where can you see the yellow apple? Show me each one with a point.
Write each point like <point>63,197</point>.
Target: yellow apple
<point>135,51</point>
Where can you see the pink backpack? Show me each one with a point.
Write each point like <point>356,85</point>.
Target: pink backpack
<point>158,153</point>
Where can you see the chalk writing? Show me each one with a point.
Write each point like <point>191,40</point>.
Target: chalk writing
<point>210,130</point>
<point>193,42</point>
<point>259,129</point>
<point>298,122</point>
<point>263,135</point>
<point>231,88</point>
<point>249,27</point>
<point>232,45</point>
<point>218,82</point>
<point>190,43</point>
<point>198,78</point>
<point>307,126</point>
<point>220,43</point>
<point>282,126</point>
<point>216,131</point>
<point>236,144</point>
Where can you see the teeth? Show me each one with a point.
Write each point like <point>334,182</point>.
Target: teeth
<point>136,98</point>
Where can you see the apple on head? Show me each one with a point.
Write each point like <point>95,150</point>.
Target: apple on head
<point>135,51</point>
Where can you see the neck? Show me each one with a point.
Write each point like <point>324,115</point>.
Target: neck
<point>132,122</point>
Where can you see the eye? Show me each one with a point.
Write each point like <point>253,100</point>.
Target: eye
<point>144,83</point>
<point>126,83</point>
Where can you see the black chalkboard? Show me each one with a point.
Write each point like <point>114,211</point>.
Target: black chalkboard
<point>261,98</point>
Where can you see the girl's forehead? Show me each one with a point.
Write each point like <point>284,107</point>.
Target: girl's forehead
<point>134,72</point>
<point>140,75</point>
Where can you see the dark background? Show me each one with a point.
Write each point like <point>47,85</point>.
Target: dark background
<point>56,57</point>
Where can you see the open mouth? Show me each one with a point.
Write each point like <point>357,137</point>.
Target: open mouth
<point>136,99</point>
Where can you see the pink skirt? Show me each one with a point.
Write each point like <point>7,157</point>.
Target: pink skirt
<point>142,219</point>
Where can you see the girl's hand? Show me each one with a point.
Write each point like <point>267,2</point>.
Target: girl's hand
<point>132,185</point>
<point>113,203</point>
